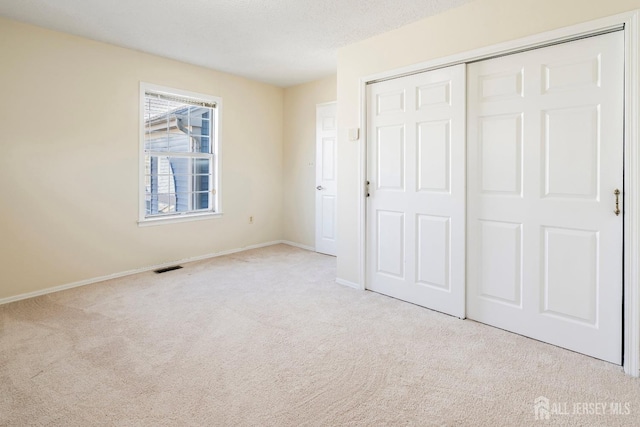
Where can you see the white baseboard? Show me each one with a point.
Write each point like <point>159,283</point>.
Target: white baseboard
<point>298,245</point>
<point>131,272</point>
<point>343,282</point>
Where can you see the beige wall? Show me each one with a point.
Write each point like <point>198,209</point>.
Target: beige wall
<point>476,24</point>
<point>299,151</point>
<point>69,163</point>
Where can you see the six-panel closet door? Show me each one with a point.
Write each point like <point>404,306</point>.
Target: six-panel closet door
<point>545,160</point>
<point>415,212</point>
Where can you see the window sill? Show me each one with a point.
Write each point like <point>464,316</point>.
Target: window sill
<point>147,222</point>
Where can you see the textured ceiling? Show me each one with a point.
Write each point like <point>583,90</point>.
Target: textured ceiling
<point>282,42</point>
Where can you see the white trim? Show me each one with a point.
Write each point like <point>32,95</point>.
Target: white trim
<point>630,22</point>
<point>362,200</point>
<point>178,218</point>
<point>135,271</point>
<point>298,245</point>
<point>348,284</point>
<point>631,199</point>
<point>216,162</point>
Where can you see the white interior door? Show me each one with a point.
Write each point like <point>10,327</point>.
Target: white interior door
<point>416,173</point>
<point>326,188</point>
<point>545,156</point>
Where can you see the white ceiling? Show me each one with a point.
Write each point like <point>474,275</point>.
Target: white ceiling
<point>282,42</point>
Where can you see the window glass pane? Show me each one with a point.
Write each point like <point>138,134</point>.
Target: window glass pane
<point>147,165</point>
<point>201,166</point>
<point>147,202</point>
<point>179,120</point>
<point>201,183</point>
<point>177,127</point>
<point>201,200</point>
<point>183,202</point>
<point>202,144</point>
<point>199,121</point>
<point>165,175</point>
<point>157,126</point>
<point>166,203</point>
<point>155,138</point>
<point>157,144</point>
<point>179,165</point>
<point>160,176</point>
<point>155,109</point>
<point>201,127</point>
<point>179,142</point>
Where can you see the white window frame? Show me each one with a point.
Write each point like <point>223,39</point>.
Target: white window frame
<point>216,196</point>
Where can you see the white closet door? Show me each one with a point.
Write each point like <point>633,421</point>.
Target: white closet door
<point>545,156</point>
<point>416,171</point>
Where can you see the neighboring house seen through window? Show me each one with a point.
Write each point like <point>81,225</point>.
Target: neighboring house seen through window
<point>180,154</point>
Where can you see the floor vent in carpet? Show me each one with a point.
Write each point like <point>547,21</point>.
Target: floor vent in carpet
<point>164,270</point>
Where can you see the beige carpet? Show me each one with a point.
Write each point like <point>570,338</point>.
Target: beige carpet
<point>266,337</point>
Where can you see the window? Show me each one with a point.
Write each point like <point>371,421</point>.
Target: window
<point>180,154</point>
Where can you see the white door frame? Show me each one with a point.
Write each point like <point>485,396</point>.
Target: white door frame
<point>631,205</point>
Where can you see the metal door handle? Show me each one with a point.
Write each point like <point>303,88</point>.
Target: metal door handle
<point>617,193</point>
<point>319,187</point>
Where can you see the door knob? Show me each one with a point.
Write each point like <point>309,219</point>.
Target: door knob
<point>319,187</point>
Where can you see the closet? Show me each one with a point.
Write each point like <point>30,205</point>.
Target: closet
<point>495,192</point>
